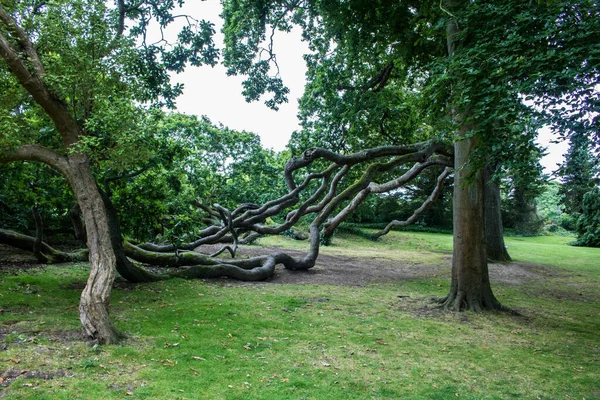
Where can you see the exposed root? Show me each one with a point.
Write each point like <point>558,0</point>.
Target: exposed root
<point>459,301</point>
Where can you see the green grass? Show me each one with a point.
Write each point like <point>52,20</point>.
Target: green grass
<point>555,251</point>
<point>230,340</point>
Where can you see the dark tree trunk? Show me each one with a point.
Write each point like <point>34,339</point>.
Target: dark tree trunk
<point>124,267</point>
<point>470,288</point>
<point>494,232</point>
<point>77,222</point>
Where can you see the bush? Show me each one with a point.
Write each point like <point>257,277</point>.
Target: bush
<point>588,223</point>
<point>568,221</point>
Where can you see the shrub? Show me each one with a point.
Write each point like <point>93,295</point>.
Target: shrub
<point>588,223</point>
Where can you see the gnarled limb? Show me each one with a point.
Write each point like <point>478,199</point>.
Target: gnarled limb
<point>326,199</point>
<point>426,204</point>
<point>323,202</point>
<point>50,254</point>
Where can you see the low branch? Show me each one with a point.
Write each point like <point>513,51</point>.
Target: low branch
<point>19,60</point>
<point>36,152</point>
<point>50,254</point>
<point>426,204</point>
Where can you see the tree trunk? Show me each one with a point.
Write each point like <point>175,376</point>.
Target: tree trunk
<point>470,288</point>
<point>95,298</point>
<point>77,222</point>
<point>124,267</point>
<point>494,232</point>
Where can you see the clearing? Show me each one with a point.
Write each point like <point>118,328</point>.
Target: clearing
<point>360,325</point>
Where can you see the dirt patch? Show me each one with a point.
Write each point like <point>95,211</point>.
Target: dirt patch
<point>343,270</point>
<point>517,273</point>
<point>330,269</point>
<point>6,377</point>
<point>13,260</point>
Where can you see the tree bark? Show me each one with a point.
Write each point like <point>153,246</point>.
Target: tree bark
<point>494,232</point>
<point>95,298</point>
<point>470,287</point>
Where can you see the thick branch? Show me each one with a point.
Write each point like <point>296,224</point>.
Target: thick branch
<point>50,255</point>
<point>326,198</point>
<point>26,47</point>
<point>35,152</point>
<point>376,83</point>
<point>32,80</point>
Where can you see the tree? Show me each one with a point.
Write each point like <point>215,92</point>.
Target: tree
<point>472,84</point>
<point>494,230</point>
<point>579,172</point>
<point>588,224</point>
<point>71,74</point>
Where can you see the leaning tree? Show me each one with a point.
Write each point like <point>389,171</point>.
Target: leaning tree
<point>72,75</point>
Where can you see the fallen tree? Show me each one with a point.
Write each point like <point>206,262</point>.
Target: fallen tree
<point>46,253</point>
<point>316,187</point>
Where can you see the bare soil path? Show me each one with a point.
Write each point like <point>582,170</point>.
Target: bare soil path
<point>337,269</point>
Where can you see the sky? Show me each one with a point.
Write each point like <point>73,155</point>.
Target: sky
<point>210,92</point>
<point>555,151</point>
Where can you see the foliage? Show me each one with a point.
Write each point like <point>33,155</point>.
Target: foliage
<point>520,211</point>
<point>105,74</point>
<point>588,223</point>
<point>550,209</point>
<point>386,78</point>
<point>196,162</point>
<point>579,173</point>
<point>26,185</point>
<point>548,203</point>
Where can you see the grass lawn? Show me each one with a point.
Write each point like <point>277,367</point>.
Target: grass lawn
<point>231,340</point>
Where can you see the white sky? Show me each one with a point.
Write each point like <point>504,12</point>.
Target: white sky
<point>209,91</point>
<point>555,151</point>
